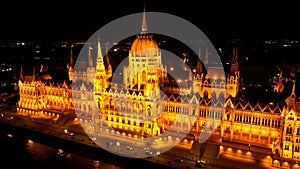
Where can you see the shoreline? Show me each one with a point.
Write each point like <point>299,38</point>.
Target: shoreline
<point>46,130</point>
<point>85,148</point>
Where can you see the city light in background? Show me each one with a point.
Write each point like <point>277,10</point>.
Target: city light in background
<point>163,98</point>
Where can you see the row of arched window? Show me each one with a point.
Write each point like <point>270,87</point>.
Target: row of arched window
<point>264,121</point>
<point>45,91</point>
<point>289,130</point>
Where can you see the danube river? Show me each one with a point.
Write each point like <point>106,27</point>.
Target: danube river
<point>21,148</point>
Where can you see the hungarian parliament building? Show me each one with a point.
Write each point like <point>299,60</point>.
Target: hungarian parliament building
<point>207,102</point>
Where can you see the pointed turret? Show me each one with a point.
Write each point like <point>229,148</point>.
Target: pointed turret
<point>33,74</point>
<point>109,68</point>
<point>90,60</point>
<point>21,74</point>
<point>291,100</point>
<point>71,65</point>
<point>72,59</point>
<point>199,67</point>
<point>191,76</point>
<point>100,63</point>
<point>234,65</point>
<point>200,53</point>
<point>293,94</point>
<point>279,86</point>
<point>106,56</point>
<point>234,54</point>
<point>206,57</point>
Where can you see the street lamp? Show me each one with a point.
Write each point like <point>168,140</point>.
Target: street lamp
<point>158,153</point>
<point>249,147</point>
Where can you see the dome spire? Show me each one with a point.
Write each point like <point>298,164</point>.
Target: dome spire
<point>144,23</point>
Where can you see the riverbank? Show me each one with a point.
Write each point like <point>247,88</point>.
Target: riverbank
<point>54,132</point>
<point>78,144</point>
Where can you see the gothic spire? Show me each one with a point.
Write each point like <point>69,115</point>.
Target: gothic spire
<point>206,57</point>
<point>291,100</point>
<point>199,67</point>
<point>21,74</point>
<point>33,74</point>
<point>235,55</point>
<point>106,56</point>
<point>294,88</point>
<point>234,65</point>
<point>100,63</point>
<point>90,57</point>
<point>72,60</point>
<point>199,53</point>
<point>199,64</point>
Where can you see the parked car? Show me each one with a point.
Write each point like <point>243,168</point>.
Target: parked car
<point>200,164</point>
<point>179,160</point>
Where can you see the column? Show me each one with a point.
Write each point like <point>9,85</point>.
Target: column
<point>231,132</point>
<point>259,133</point>
<point>241,129</point>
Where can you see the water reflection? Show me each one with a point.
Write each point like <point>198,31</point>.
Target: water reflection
<point>30,150</point>
<point>17,150</point>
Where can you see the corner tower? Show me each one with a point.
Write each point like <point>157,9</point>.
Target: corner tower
<point>102,75</point>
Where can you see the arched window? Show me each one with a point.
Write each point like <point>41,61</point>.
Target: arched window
<point>289,130</point>
<point>149,110</point>
<point>227,116</point>
<point>257,120</point>
<point>194,112</point>
<point>298,131</point>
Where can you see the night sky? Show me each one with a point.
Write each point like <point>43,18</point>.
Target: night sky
<point>78,20</point>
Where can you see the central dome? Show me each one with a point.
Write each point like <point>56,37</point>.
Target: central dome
<point>144,45</point>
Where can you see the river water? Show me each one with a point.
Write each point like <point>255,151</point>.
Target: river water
<point>23,149</point>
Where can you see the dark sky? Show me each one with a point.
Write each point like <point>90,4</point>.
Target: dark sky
<point>78,20</point>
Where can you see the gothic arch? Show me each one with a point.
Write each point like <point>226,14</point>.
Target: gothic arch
<point>289,129</point>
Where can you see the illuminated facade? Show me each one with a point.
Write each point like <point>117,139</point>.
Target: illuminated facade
<point>138,107</point>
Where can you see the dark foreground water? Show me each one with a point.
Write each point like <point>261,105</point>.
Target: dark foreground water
<point>20,148</point>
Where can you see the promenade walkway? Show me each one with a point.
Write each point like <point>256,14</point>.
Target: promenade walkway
<point>185,150</point>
